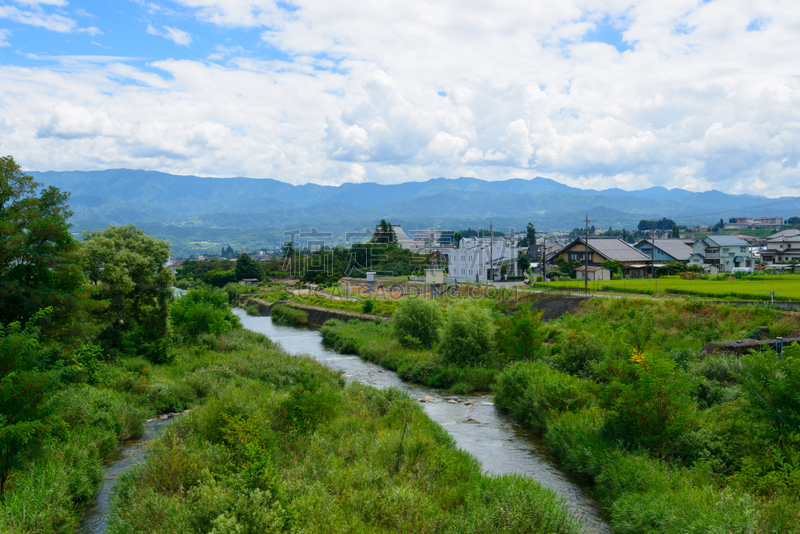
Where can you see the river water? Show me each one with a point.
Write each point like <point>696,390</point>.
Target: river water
<point>499,443</point>
<point>95,518</point>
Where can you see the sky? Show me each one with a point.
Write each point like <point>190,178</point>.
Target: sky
<point>696,94</point>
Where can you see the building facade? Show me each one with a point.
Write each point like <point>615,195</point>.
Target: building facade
<point>724,252</point>
<point>782,247</point>
<point>480,259</point>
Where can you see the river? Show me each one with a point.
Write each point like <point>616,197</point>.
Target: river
<point>499,443</point>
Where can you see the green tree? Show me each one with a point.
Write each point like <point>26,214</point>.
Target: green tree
<point>524,262</point>
<point>793,220</point>
<point>468,335</point>
<point>219,277</point>
<point>457,237</point>
<point>39,260</point>
<point>24,384</point>
<point>288,250</point>
<point>202,311</point>
<point>676,233</point>
<point>518,336</point>
<point>416,322</point>
<point>247,267</point>
<point>384,233</point>
<point>128,273</point>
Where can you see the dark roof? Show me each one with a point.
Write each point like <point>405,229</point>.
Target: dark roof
<point>611,248</point>
<point>677,248</point>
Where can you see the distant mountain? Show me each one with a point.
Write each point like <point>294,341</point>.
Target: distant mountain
<point>202,214</point>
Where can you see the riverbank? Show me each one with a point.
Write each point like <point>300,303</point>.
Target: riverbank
<point>282,442</point>
<point>669,439</point>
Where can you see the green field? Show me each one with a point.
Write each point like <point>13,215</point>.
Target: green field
<point>786,287</point>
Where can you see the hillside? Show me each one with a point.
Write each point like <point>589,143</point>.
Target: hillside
<point>199,214</point>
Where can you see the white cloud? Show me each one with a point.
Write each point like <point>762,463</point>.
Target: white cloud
<point>401,91</point>
<point>4,35</point>
<point>91,30</point>
<point>176,35</point>
<point>37,17</point>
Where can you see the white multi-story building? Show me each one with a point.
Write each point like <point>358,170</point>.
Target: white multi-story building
<point>480,259</point>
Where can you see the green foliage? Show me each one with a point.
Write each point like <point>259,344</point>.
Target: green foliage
<point>23,386</point>
<point>247,267</point>
<point>219,277</point>
<point>310,402</point>
<point>368,306</point>
<point>648,399</point>
<point>128,273</point>
<point>771,385</point>
<point>288,315</point>
<point>468,336</point>
<point>578,349</point>
<point>39,262</point>
<point>416,322</point>
<point>202,311</point>
<point>532,392</point>
<point>518,336</point>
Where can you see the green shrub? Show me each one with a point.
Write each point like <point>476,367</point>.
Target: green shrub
<point>253,310</point>
<point>468,337</point>
<point>518,336</point>
<point>532,392</point>
<point>648,400</point>
<point>578,349</point>
<point>287,315</point>
<point>368,306</point>
<point>202,311</point>
<point>419,320</point>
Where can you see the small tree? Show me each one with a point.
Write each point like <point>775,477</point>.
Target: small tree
<point>202,311</point>
<point>416,322</point>
<point>468,337</point>
<point>518,336</point>
<point>524,262</point>
<point>247,267</point>
<point>24,384</point>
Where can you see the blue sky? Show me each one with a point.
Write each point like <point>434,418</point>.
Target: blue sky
<point>695,94</point>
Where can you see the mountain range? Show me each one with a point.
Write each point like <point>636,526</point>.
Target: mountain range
<point>198,214</point>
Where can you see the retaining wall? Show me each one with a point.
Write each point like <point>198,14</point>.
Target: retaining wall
<point>316,315</point>
<point>743,346</point>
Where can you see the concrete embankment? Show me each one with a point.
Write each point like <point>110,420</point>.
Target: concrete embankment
<point>317,315</point>
<point>743,346</point>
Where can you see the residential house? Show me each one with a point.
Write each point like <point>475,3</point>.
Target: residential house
<point>480,259</point>
<point>782,247</point>
<point>723,251</point>
<point>665,250</point>
<point>600,250</point>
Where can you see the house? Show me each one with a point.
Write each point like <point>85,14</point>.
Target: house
<point>594,273</point>
<point>480,259</point>
<point>726,252</point>
<point>248,282</point>
<point>600,250</point>
<point>665,250</point>
<point>782,247</point>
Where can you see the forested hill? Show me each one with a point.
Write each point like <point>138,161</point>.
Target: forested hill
<point>198,212</point>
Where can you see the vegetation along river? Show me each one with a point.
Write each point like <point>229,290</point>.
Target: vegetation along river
<point>498,442</point>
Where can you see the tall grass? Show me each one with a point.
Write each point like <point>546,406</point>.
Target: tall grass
<point>376,343</point>
<point>373,461</point>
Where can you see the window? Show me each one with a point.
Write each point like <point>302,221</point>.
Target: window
<point>578,256</point>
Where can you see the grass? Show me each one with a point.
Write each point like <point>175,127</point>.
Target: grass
<point>280,444</point>
<point>705,479</point>
<point>786,287</point>
<point>376,343</point>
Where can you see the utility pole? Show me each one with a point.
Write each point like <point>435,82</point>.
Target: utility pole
<point>544,259</point>
<point>586,258</point>
<point>491,251</point>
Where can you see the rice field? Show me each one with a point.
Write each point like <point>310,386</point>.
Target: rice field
<point>786,287</point>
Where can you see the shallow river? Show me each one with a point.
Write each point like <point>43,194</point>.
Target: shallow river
<point>500,444</point>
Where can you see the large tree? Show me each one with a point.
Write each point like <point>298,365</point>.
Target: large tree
<point>128,273</point>
<point>39,260</point>
<point>384,233</point>
<point>247,267</point>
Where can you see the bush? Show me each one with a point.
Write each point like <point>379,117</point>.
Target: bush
<point>288,315</point>
<point>468,337</point>
<point>578,350</point>
<point>532,392</point>
<point>368,306</point>
<point>417,320</point>
<point>202,311</point>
